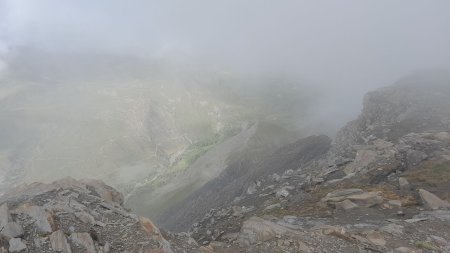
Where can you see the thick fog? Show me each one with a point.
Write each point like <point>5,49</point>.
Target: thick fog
<point>347,47</point>
<point>335,51</point>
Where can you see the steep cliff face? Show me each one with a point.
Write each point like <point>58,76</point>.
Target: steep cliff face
<point>417,103</point>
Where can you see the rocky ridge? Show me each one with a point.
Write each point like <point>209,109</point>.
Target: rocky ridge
<point>381,186</point>
<point>73,216</point>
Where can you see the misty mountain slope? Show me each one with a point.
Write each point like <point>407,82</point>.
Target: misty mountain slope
<point>391,195</point>
<point>417,103</point>
<point>238,176</point>
<point>155,197</point>
<point>124,120</point>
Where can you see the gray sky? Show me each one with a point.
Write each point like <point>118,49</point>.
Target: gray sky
<point>345,45</point>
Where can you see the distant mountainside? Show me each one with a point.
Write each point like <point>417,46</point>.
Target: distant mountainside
<point>380,186</point>
<point>131,122</point>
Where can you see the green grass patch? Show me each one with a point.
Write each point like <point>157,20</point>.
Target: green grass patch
<point>426,245</point>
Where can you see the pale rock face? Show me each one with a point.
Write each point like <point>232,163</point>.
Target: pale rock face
<point>432,201</point>
<point>363,158</point>
<point>59,242</point>
<point>16,245</point>
<point>257,229</point>
<point>5,216</point>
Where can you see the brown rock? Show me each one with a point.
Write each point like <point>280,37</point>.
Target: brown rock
<point>153,232</point>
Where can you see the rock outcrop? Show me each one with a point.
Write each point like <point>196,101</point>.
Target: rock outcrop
<point>73,216</point>
<point>370,192</point>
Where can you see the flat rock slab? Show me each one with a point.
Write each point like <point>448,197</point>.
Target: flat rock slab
<point>257,229</point>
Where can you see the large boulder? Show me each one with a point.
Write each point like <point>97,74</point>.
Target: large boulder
<point>432,201</point>
<point>351,198</point>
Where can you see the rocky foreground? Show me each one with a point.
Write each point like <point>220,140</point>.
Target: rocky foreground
<point>381,186</point>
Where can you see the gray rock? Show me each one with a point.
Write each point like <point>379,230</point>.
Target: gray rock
<point>405,250</point>
<point>277,205</point>
<point>83,240</point>
<point>5,216</point>
<point>42,219</point>
<point>282,193</point>
<point>356,196</point>
<point>275,177</point>
<point>439,240</point>
<point>290,219</point>
<point>403,183</point>
<point>367,199</point>
<point>341,194</point>
<point>393,229</point>
<point>345,205</point>
<point>59,242</point>
<point>257,229</point>
<point>16,245</point>
<point>252,188</point>
<point>11,230</point>
<point>414,157</point>
<point>287,174</point>
<point>432,201</point>
<point>376,238</point>
<point>363,158</point>
<point>395,202</point>
<point>85,217</point>
<point>443,215</point>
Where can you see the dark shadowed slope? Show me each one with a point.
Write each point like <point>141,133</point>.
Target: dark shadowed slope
<point>238,176</point>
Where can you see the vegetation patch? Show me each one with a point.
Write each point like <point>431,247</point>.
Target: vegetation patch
<point>432,173</point>
<point>426,245</point>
